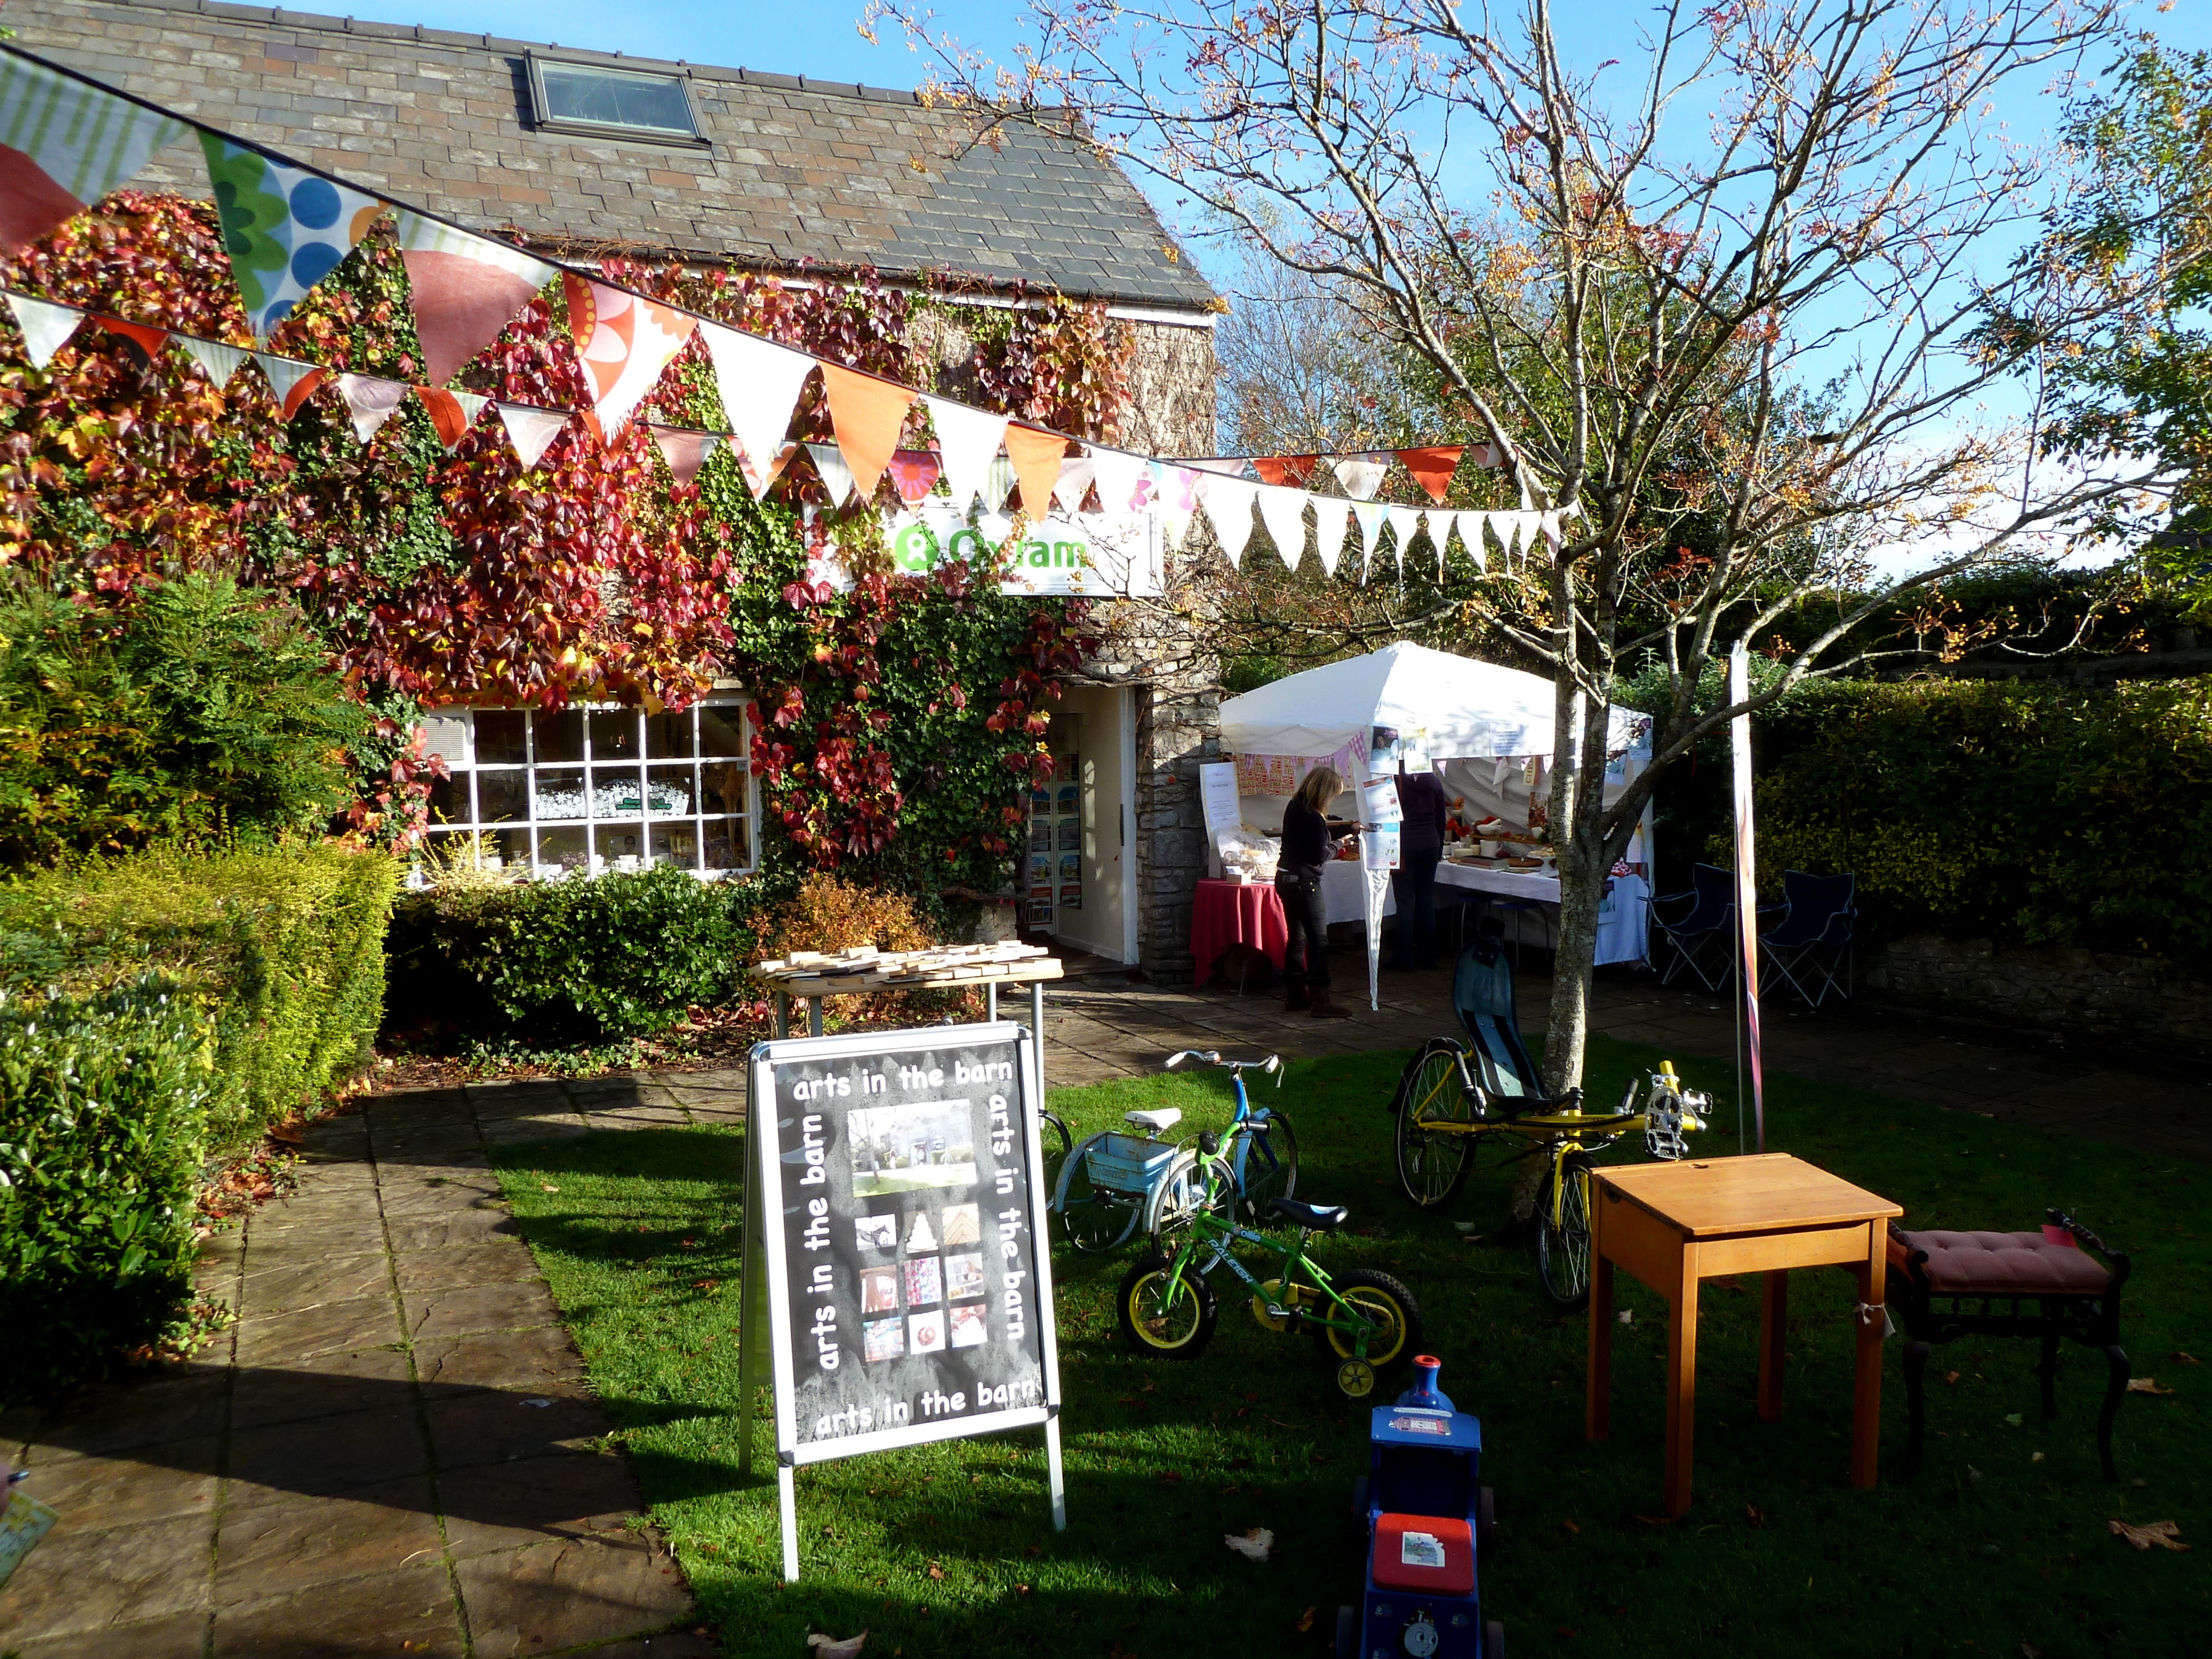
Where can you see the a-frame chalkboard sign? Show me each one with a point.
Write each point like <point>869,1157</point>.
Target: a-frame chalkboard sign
<point>895,1224</point>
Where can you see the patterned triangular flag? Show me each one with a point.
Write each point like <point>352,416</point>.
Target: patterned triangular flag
<point>1229,508</point>
<point>1369,516</point>
<point>1076,473</point>
<point>463,289</point>
<point>867,414</point>
<point>1119,475</point>
<point>1362,475</point>
<point>759,382</point>
<point>63,145</point>
<point>998,484</point>
<point>684,450</point>
<point>452,412</point>
<point>46,327</point>
<point>836,476</point>
<point>623,342</point>
<point>531,431</point>
<point>217,362</point>
<point>1174,501</point>
<point>967,440</point>
<point>1284,513</point>
<point>284,228</point>
<point>372,401</point>
<point>293,382</point>
<point>1331,516</point>
<point>914,473</point>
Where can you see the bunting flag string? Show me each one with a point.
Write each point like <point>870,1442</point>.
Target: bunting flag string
<point>294,382</point>
<point>1432,468</point>
<point>65,144</point>
<point>1037,456</point>
<point>1284,512</point>
<point>1174,500</point>
<point>830,466</point>
<point>452,412</point>
<point>1369,516</point>
<point>914,473</point>
<point>1076,473</point>
<point>284,228</point>
<point>144,343</point>
<point>531,431</point>
<point>1119,475</point>
<point>685,449</point>
<point>1331,518</point>
<point>463,289</point>
<point>967,440</point>
<point>1228,503</point>
<point>372,400</point>
<point>1362,475</point>
<point>218,361</point>
<point>759,382</point>
<point>46,327</point>
<point>865,413</point>
<point>623,342</point>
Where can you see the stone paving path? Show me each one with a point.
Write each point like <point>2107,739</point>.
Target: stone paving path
<point>395,1452</point>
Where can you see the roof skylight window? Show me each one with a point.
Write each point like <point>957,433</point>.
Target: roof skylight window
<point>588,98</point>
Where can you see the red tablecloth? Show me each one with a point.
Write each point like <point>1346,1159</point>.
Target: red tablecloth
<point>1229,913</point>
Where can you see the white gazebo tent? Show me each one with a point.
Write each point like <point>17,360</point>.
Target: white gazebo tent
<point>1470,712</point>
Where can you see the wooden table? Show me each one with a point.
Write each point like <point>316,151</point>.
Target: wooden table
<point>1672,1225</point>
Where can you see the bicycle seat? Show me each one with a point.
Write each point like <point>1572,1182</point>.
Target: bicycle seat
<point>1159,1122</point>
<point>1322,1218</point>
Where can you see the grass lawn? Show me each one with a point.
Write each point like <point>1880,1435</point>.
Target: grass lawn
<point>948,1550</point>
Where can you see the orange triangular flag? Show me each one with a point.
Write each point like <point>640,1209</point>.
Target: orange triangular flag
<point>1037,456</point>
<point>1284,469</point>
<point>1432,469</point>
<point>867,414</point>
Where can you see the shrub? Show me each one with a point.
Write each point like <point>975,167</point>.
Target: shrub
<point>581,959</point>
<point>202,711</point>
<point>824,913</point>
<point>281,949</point>
<point>104,1105</point>
<point>2032,814</point>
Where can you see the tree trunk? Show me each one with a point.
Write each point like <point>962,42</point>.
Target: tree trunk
<point>1578,838</point>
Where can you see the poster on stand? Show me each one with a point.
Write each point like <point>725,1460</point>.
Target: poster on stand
<point>896,1206</point>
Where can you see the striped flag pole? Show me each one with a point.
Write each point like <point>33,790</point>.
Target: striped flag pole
<point>1747,878</point>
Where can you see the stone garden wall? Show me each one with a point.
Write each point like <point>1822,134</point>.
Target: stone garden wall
<point>2075,996</point>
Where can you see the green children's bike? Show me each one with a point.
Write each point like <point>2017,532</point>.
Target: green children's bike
<point>1365,1323</point>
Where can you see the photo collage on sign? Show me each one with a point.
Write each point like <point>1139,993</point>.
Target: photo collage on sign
<point>928,1294</point>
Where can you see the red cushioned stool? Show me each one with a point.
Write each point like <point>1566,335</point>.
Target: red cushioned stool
<point>2047,1285</point>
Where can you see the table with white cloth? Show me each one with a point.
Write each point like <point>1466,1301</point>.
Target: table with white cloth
<point>1344,892</point>
<point>1622,916</point>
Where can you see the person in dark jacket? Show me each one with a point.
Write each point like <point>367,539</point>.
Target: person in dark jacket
<point>1413,883</point>
<point>1309,838</point>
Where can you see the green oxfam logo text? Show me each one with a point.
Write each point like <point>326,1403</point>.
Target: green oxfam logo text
<point>916,548</point>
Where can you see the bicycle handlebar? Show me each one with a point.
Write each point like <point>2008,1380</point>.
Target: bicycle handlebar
<point>1212,1057</point>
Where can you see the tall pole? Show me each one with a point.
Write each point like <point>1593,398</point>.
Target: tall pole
<point>1747,878</point>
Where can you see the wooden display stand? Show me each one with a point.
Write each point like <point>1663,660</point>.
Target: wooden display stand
<point>810,976</point>
<point>1673,1224</point>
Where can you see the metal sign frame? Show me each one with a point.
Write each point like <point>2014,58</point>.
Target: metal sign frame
<point>764,1253</point>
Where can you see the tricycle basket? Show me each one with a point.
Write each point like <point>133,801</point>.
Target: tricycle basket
<point>1129,1164</point>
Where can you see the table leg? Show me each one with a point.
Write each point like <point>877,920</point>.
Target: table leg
<point>1866,1393</point>
<point>781,1017</point>
<point>814,1015</point>
<point>1598,1415</point>
<point>1682,1381</point>
<point>1773,1325</point>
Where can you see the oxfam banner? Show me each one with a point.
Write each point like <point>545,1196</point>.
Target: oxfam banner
<point>1099,555</point>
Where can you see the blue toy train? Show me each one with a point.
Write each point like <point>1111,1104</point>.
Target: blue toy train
<point>1430,1523</point>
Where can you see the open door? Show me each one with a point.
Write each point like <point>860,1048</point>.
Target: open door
<point>1083,824</point>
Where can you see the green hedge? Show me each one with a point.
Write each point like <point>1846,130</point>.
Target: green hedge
<point>156,1014</point>
<point>577,960</point>
<point>2025,812</point>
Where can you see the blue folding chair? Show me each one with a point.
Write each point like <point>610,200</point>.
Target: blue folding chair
<point>1705,923</point>
<point>1810,948</point>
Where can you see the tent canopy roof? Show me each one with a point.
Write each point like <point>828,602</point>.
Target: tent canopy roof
<point>1468,707</point>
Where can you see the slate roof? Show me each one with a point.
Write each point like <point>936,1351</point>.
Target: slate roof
<point>795,170</point>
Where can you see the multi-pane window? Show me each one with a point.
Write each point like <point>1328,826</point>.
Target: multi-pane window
<point>597,789</point>
<point>588,98</point>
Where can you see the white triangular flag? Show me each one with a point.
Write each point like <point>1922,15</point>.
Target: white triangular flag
<point>1173,501</point>
<point>372,399</point>
<point>1228,503</point>
<point>759,382</point>
<point>286,378</point>
<point>1118,474</point>
<point>967,439</point>
<point>1362,475</point>
<point>531,431</point>
<point>1407,521</point>
<point>1331,516</point>
<point>46,327</point>
<point>1470,538</point>
<point>1076,473</point>
<point>1550,525</point>
<point>830,462</point>
<point>1369,516</point>
<point>216,361</point>
<point>1283,510</point>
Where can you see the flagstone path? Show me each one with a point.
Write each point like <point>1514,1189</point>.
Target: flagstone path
<point>395,1451</point>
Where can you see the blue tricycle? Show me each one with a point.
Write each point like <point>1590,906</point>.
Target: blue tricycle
<point>1428,1521</point>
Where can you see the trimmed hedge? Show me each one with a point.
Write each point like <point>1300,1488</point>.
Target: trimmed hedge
<point>157,1013</point>
<point>2028,813</point>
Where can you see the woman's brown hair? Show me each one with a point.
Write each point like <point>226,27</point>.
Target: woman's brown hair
<point>1319,787</point>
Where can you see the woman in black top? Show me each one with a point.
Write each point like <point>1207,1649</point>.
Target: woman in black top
<point>1309,838</point>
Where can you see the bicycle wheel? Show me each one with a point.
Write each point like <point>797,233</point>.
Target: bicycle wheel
<point>1166,1324</point>
<point>1268,1166</point>
<point>1181,1194</point>
<point>1562,1247</point>
<point>1052,1136</point>
<point>1389,1307</point>
<point>1432,1167</point>
<point>1096,1217</point>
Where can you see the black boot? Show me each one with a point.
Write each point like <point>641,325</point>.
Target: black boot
<point>1294,995</point>
<point>1324,1009</point>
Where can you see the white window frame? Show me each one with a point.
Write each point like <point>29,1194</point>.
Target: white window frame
<point>597,835</point>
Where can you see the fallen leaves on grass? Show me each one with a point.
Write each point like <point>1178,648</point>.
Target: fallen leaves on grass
<point>935,1570</point>
<point>2163,1534</point>
<point>1656,1520</point>
<point>829,1647</point>
<point>543,1187</point>
<point>1256,1545</point>
<point>2181,1358</point>
<point>1306,1619</point>
<point>1628,1315</point>
<point>1572,1528</point>
<point>1950,1377</point>
<point>1755,1515</point>
<point>1170,1478</point>
<point>2146,1385</point>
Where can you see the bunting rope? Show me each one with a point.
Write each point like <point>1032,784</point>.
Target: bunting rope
<point>67,140</point>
